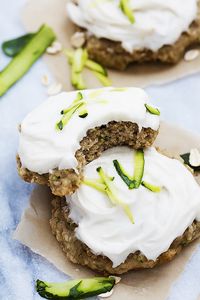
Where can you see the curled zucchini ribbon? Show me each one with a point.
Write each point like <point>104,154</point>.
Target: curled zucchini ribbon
<point>135,181</point>
<point>78,59</point>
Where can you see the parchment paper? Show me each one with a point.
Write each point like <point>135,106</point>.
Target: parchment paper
<point>53,12</point>
<point>34,231</point>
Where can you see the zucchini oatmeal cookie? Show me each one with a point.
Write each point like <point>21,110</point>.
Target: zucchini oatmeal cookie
<point>71,129</point>
<point>161,31</point>
<point>165,208</point>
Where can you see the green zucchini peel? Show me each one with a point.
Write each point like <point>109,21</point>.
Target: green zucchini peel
<point>78,59</point>
<point>105,81</point>
<point>139,168</point>
<point>135,181</point>
<point>12,47</point>
<point>92,65</point>
<point>75,289</point>
<point>126,9</point>
<point>112,194</point>
<point>83,113</point>
<point>68,112</point>
<point>95,184</point>
<point>67,116</point>
<point>123,174</point>
<point>151,187</point>
<point>152,110</point>
<point>23,61</point>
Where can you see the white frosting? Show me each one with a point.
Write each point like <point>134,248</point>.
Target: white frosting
<point>43,148</point>
<point>159,217</point>
<point>157,22</point>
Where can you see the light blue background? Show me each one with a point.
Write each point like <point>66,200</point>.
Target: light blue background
<point>19,267</point>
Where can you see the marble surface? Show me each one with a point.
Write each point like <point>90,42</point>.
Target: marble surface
<point>19,267</point>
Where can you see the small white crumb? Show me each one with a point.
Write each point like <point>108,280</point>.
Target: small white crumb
<point>106,295</point>
<point>54,89</point>
<point>45,80</point>
<point>78,39</point>
<point>117,279</point>
<point>55,48</point>
<point>191,54</point>
<point>194,158</point>
<point>77,270</point>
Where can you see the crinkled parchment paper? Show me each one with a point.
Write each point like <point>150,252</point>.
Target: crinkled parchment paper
<point>53,12</point>
<point>34,231</point>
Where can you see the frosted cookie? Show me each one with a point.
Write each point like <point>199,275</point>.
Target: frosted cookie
<point>134,209</point>
<point>118,33</point>
<point>71,129</point>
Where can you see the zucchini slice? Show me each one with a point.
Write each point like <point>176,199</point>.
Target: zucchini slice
<point>22,62</point>
<point>75,289</point>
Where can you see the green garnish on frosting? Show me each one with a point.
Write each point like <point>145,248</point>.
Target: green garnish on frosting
<point>95,184</point>
<point>112,195</point>
<point>127,10</point>
<point>79,97</point>
<point>67,116</point>
<point>133,182</point>
<point>105,185</point>
<point>151,187</point>
<point>83,113</point>
<point>76,105</point>
<point>118,90</point>
<point>152,110</point>
<point>78,59</point>
<point>139,168</point>
<point>124,176</point>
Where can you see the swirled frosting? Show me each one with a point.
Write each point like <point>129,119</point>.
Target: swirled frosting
<point>159,217</point>
<point>43,148</point>
<point>157,22</point>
